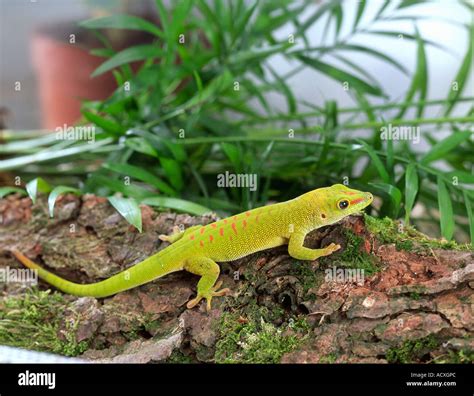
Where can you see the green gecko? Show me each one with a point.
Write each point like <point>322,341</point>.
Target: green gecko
<point>198,248</point>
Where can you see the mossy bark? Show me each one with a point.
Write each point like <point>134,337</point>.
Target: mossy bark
<point>389,295</point>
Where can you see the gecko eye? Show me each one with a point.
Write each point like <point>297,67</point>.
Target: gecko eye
<point>343,204</point>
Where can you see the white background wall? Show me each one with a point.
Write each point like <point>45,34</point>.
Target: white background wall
<point>19,18</point>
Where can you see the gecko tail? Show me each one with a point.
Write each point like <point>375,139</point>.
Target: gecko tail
<point>54,280</point>
<point>117,283</point>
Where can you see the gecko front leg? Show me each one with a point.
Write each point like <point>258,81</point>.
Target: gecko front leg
<point>300,252</point>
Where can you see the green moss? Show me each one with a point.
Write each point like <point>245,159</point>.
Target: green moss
<point>354,256</point>
<point>256,340</point>
<point>329,358</point>
<point>309,278</point>
<point>415,296</point>
<point>456,357</point>
<point>406,238</point>
<point>33,321</point>
<point>178,357</point>
<point>412,350</point>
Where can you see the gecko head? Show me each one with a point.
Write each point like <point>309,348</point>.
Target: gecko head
<point>342,201</point>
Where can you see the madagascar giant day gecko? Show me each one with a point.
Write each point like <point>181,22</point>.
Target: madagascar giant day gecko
<point>198,248</point>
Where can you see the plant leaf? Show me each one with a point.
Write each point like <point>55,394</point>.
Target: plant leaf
<point>141,174</point>
<point>55,193</point>
<point>4,191</point>
<point>129,209</point>
<point>177,204</point>
<point>128,55</point>
<point>377,162</point>
<point>440,149</point>
<point>104,123</point>
<point>394,194</point>
<point>128,22</point>
<point>36,186</point>
<point>461,76</point>
<point>446,215</point>
<point>411,189</point>
<point>470,215</point>
<point>340,75</point>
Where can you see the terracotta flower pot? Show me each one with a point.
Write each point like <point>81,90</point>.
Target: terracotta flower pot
<point>63,71</point>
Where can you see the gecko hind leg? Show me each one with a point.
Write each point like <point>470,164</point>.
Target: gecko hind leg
<point>177,234</point>
<point>207,287</point>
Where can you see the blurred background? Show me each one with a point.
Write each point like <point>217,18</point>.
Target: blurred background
<point>24,21</point>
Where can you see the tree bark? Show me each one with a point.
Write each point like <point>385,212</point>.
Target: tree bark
<point>408,305</point>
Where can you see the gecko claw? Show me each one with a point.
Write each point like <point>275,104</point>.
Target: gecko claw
<point>333,247</point>
<point>213,292</point>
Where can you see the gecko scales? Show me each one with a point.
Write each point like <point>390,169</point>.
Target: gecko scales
<point>199,248</point>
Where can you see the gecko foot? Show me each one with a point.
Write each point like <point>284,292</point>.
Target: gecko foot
<point>213,292</point>
<point>333,247</point>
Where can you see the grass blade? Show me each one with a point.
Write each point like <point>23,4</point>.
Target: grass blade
<point>446,215</point>
<point>35,186</point>
<point>141,174</point>
<point>126,56</point>
<point>411,189</point>
<point>128,22</point>
<point>177,204</point>
<point>461,76</point>
<point>55,193</point>
<point>377,162</point>
<point>4,191</point>
<point>470,215</point>
<point>440,149</point>
<point>129,209</point>
<point>340,75</point>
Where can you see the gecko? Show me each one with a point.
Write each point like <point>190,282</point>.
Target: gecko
<point>199,248</point>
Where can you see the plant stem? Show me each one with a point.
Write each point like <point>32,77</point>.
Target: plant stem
<point>278,139</point>
<point>290,117</point>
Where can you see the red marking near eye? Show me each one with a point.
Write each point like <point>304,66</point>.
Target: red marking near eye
<point>356,201</point>
<point>202,229</point>
<point>214,225</point>
<point>191,237</point>
<point>244,223</point>
<point>221,231</point>
<point>211,238</point>
<point>350,193</point>
<point>201,243</point>
<point>234,228</point>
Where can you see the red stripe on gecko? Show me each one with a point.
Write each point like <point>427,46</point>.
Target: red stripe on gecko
<point>211,238</point>
<point>202,229</point>
<point>213,225</point>
<point>221,231</point>
<point>201,243</point>
<point>244,223</point>
<point>356,201</point>
<point>191,237</point>
<point>234,228</point>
